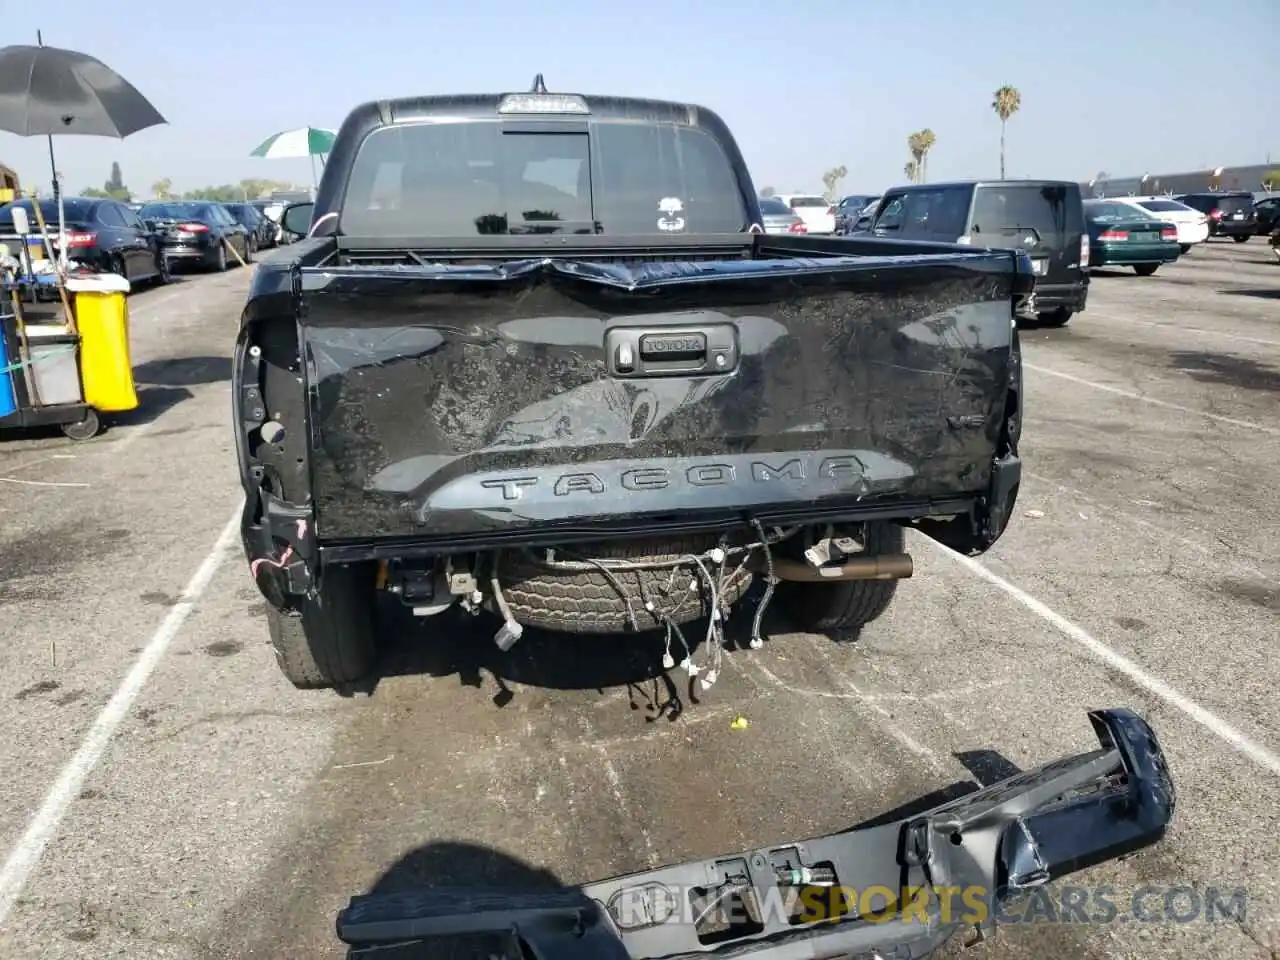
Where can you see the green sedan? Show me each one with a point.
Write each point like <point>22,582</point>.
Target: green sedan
<point>1123,236</point>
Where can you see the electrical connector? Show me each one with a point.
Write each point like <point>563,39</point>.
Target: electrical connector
<point>668,661</point>
<point>507,635</point>
<point>717,556</point>
<point>755,643</point>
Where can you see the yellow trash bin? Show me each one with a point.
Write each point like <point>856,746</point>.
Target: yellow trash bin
<point>102,316</point>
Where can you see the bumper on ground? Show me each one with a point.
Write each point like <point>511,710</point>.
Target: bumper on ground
<point>872,891</point>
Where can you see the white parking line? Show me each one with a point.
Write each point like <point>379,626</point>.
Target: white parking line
<point>1130,395</point>
<point>44,825</point>
<point>1242,743</point>
<point>1179,328</point>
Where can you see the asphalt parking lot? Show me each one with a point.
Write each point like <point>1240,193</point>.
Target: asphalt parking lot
<point>168,795</point>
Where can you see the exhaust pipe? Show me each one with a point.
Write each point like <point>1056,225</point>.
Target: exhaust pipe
<point>889,566</point>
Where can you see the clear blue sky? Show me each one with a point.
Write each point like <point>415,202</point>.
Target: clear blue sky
<point>1127,86</point>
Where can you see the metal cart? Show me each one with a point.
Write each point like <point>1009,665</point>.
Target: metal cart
<point>78,420</point>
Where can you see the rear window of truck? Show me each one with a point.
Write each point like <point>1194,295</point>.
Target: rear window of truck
<point>1006,208</point>
<point>1237,204</point>
<point>477,178</point>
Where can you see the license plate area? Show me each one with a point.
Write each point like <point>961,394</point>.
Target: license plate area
<point>1146,237</point>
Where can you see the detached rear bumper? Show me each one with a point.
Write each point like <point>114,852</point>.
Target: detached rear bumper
<point>902,888</point>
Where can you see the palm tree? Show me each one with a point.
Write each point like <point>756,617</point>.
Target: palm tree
<point>917,155</point>
<point>909,170</point>
<point>927,140</point>
<point>1005,103</point>
<point>831,179</point>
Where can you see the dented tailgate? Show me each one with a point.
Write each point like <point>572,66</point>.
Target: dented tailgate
<point>452,400</point>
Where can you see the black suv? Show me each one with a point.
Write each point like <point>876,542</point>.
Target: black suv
<point>847,211</point>
<point>1044,218</point>
<point>1230,214</point>
<point>1267,213</point>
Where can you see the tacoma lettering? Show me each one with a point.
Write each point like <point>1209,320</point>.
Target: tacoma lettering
<point>711,474</point>
<point>832,467</point>
<point>578,483</point>
<point>840,469</point>
<point>510,488</point>
<point>646,478</point>
<point>793,469</point>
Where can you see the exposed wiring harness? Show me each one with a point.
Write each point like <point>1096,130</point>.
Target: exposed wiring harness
<point>584,564</point>
<point>711,570</point>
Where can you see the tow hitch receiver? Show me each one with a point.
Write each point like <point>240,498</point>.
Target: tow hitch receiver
<point>876,891</point>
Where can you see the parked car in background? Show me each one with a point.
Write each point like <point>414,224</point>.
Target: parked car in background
<point>847,210</point>
<point>1230,214</point>
<point>779,218</point>
<point>272,209</point>
<point>861,221</point>
<point>1193,226</point>
<point>262,232</point>
<point>1266,214</point>
<point>105,235</point>
<point>1122,235</point>
<point>198,232</point>
<point>818,215</point>
<point>1044,218</point>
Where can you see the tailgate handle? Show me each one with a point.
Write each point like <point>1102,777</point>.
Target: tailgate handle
<point>669,352</point>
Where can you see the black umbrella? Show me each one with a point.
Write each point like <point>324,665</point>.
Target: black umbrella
<point>47,91</point>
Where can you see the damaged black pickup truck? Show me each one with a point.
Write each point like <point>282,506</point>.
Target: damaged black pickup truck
<point>537,358</point>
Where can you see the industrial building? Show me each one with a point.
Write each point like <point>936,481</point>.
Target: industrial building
<point>1261,179</point>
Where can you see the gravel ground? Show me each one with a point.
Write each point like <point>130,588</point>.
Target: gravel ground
<point>230,816</point>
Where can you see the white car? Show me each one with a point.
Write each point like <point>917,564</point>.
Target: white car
<point>1193,226</point>
<point>818,214</point>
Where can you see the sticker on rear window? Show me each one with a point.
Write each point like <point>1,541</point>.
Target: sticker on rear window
<point>670,208</point>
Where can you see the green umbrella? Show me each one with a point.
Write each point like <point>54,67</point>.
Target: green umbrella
<point>303,142</point>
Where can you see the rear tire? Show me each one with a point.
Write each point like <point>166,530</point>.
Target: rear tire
<point>1185,248</point>
<point>1240,239</point>
<point>1145,269</point>
<point>847,605</point>
<point>220,261</point>
<point>1057,318</point>
<point>330,640</point>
